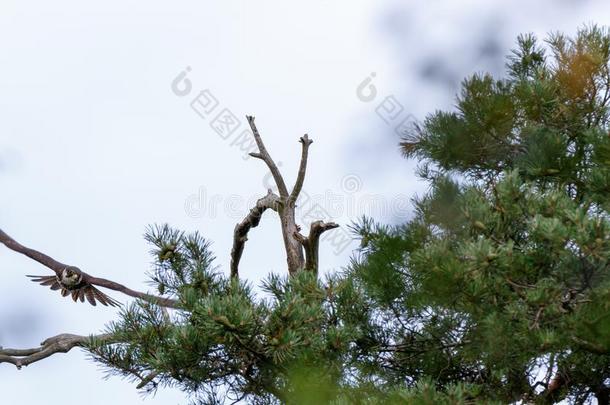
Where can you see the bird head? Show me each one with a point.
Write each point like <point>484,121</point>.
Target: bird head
<point>71,276</point>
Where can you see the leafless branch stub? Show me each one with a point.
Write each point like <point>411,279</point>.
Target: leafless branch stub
<point>311,243</point>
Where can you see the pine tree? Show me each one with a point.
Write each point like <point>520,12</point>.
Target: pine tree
<point>502,279</point>
<point>497,291</point>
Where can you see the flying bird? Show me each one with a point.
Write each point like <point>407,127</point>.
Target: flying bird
<point>71,281</point>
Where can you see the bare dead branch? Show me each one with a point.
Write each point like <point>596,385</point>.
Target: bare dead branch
<point>240,235</point>
<point>298,185</point>
<point>312,242</point>
<point>62,343</point>
<point>265,157</point>
<point>58,267</point>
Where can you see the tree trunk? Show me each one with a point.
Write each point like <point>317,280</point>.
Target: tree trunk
<point>294,249</point>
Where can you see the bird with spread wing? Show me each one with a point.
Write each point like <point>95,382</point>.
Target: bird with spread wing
<point>72,281</point>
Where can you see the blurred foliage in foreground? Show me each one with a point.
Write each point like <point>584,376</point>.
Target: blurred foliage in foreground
<point>498,290</point>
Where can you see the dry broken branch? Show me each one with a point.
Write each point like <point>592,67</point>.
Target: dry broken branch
<point>240,235</point>
<point>62,343</point>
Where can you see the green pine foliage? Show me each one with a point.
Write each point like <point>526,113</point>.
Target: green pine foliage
<point>497,291</point>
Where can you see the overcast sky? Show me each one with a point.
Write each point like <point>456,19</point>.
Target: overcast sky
<point>100,137</point>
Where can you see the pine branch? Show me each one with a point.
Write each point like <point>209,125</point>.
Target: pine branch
<point>62,343</point>
<point>58,267</point>
<point>240,235</point>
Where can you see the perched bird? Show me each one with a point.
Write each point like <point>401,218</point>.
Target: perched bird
<point>70,281</point>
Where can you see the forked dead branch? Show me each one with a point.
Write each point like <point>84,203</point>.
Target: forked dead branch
<point>284,205</point>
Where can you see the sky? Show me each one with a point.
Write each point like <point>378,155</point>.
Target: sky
<point>111,119</point>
